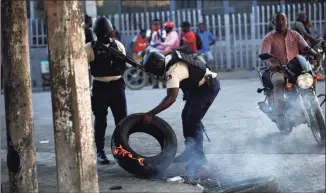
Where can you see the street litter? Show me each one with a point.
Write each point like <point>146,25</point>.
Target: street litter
<point>176,179</point>
<point>46,141</point>
<point>116,188</point>
<point>199,186</point>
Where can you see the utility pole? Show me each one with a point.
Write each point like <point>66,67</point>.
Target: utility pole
<point>18,97</point>
<point>73,131</point>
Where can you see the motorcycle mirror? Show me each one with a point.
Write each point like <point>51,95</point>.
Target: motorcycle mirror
<point>265,56</point>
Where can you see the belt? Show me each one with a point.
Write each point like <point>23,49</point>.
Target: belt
<point>107,78</point>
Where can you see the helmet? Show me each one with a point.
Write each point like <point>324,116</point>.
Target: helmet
<point>169,24</point>
<point>102,27</point>
<point>154,63</point>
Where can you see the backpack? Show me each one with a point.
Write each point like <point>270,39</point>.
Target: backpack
<point>199,41</point>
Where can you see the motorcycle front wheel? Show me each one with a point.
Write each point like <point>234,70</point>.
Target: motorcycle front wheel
<point>318,125</point>
<point>135,78</point>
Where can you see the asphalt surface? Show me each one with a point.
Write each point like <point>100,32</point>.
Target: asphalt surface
<point>244,142</point>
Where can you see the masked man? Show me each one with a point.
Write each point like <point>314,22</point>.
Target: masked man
<point>108,87</point>
<point>202,85</point>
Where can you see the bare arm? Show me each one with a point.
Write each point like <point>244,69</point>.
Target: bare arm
<point>168,100</point>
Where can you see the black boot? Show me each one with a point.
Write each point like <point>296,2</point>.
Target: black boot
<point>101,158</point>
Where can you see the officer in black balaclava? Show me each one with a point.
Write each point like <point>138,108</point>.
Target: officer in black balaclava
<point>108,86</point>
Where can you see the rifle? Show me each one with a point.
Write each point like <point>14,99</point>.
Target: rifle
<point>117,53</point>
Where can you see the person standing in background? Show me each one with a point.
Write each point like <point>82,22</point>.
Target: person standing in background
<point>208,40</point>
<point>88,30</point>
<point>188,44</point>
<point>88,38</point>
<point>115,34</point>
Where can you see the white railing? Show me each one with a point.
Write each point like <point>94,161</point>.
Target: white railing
<point>238,35</point>
<point>37,33</point>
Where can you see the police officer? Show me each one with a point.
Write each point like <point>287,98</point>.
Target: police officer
<point>108,88</point>
<point>201,84</point>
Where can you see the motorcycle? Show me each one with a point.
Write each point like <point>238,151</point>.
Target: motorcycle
<point>137,79</point>
<point>301,105</point>
<point>318,66</point>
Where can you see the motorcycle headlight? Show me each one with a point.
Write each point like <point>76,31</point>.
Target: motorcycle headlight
<point>305,81</point>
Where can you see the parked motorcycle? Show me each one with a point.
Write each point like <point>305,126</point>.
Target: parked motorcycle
<point>301,105</point>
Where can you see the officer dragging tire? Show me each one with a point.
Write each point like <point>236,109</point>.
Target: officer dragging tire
<point>108,86</point>
<point>201,87</point>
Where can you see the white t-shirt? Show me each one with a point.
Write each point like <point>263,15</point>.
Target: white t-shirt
<point>179,71</point>
<point>155,37</point>
<point>91,57</point>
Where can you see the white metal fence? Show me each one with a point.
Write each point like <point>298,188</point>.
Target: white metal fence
<point>238,36</point>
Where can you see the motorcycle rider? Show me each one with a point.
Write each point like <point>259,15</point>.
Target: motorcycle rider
<point>156,36</point>
<point>139,44</point>
<point>108,87</point>
<point>299,26</point>
<point>285,44</point>
<point>182,71</point>
<point>172,39</point>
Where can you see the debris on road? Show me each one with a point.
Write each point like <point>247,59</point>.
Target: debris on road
<point>116,188</point>
<point>46,141</point>
<point>176,179</point>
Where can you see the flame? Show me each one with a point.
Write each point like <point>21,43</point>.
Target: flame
<point>122,152</point>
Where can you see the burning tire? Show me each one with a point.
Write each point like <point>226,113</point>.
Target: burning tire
<point>130,160</point>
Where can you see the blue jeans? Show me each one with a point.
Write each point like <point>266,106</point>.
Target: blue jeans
<point>197,104</point>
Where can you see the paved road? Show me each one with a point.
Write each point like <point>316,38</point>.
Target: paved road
<point>245,143</point>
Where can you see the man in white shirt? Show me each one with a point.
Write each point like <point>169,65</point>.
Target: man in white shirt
<point>108,86</point>
<point>200,84</point>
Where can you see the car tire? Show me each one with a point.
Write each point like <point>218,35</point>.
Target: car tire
<point>153,166</point>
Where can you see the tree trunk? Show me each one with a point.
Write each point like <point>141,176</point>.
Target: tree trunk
<point>18,97</point>
<point>73,131</point>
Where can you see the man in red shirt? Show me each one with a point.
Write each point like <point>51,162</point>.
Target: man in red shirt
<point>187,39</point>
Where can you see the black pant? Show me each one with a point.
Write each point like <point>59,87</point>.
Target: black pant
<point>197,104</point>
<point>104,95</point>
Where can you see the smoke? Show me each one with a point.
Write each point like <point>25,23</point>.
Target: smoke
<point>258,149</point>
